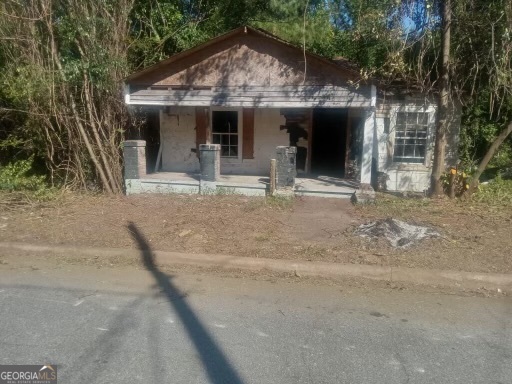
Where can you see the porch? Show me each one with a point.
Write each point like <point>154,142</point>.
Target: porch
<point>249,185</point>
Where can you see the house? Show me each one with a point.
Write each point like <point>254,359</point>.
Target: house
<point>246,93</point>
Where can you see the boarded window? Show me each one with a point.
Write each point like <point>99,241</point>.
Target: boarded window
<point>225,132</point>
<point>410,137</point>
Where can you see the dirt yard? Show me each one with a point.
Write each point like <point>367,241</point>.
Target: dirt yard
<point>473,237</point>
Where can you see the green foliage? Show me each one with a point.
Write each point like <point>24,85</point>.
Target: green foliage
<point>480,126</point>
<point>495,192</point>
<point>460,180</point>
<point>19,177</point>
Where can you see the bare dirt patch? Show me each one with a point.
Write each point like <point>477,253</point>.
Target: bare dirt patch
<point>473,238</point>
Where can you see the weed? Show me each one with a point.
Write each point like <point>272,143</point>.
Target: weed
<point>281,202</point>
<point>496,192</point>
<point>223,191</point>
<point>261,237</point>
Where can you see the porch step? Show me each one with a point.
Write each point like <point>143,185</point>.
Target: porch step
<point>323,193</point>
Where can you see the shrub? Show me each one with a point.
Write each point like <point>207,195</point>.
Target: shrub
<point>18,177</point>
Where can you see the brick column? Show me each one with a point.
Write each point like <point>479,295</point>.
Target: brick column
<point>285,167</point>
<point>134,159</point>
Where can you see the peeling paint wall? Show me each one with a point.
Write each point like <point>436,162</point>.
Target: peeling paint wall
<point>178,137</point>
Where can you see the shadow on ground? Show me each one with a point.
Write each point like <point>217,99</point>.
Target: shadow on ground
<point>217,366</point>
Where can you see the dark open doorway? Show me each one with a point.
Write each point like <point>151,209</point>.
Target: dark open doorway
<point>329,141</point>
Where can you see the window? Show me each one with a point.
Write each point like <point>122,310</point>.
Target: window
<point>225,132</point>
<point>410,137</point>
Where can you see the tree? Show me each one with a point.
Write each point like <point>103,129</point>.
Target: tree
<point>490,36</point>
<point>444,102</point>
<point>66,85</point>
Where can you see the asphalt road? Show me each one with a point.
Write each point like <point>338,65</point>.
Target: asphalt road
<point>127,325</point>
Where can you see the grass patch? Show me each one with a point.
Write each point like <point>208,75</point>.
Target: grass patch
<point>391,205</point>
<point>281,202</point>
<point>496,192</point>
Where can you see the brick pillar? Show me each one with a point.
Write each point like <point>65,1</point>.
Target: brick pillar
<point>286,169</point>
<point>134,159</point>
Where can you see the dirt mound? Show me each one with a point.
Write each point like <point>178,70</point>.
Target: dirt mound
<point>399,233</point>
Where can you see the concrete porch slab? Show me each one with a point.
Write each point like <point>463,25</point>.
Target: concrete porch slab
<point>249,185</point>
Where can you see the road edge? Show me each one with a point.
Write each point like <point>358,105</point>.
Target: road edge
<point>458,279</point>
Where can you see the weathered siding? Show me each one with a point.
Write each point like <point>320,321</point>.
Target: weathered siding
<point>286,96</point>
<point>248,70</point>
<point>246,59</point>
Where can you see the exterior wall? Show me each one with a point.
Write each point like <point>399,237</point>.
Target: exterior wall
<point>410,176</point>
<point>407,177</point>
<point>178,138</point>
<point>267,136</point>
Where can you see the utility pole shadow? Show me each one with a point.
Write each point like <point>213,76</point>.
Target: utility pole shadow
<point>218,368</point>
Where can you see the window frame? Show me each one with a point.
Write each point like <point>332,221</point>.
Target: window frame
<point>430,111</point>
<point>239,130</point>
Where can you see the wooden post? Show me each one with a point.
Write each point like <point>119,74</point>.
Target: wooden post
<point>161,143</point>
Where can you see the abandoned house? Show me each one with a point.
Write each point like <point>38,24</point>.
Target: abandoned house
<point>219,112</point>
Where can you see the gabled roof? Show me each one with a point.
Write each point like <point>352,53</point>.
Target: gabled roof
<point>345,68</point>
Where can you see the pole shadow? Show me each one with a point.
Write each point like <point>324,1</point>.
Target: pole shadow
<point>218,368</point>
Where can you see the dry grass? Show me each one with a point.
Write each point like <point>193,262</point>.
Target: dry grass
<point>476,237</point>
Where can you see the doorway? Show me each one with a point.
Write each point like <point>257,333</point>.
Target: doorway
<point>329,141</point>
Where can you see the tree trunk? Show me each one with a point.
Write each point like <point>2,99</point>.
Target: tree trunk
<point>443,105</point>
<point>488,156</point>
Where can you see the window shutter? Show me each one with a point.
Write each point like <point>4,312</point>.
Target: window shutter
<point>248,133</point>
<point>201,126</point>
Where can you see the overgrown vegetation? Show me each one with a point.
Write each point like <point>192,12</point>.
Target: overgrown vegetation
<point>19,177</point>
<point>62,63</point>
<point>496,192</point>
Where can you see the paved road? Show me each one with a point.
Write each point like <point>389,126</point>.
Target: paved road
<point>125,325</point>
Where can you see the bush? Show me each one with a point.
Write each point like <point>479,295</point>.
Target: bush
<point>460,181</point>
<point>18,177</point>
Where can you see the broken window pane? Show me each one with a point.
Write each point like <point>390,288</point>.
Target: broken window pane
<point>225,132</point>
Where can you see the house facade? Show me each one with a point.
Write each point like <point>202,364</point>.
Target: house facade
<point>249,92</point>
